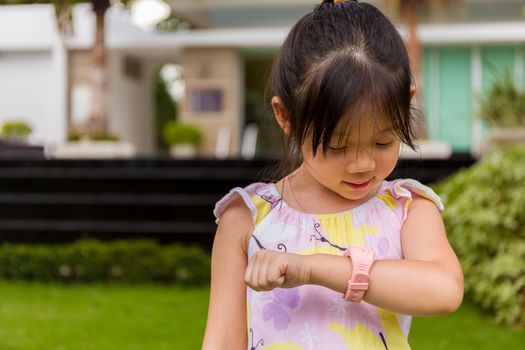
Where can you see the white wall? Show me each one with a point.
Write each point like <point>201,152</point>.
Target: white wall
<point>33,75</point>
<point>33,70</point>
<point>25,27</point>
<point>130,105</point>
<point>28,91</point>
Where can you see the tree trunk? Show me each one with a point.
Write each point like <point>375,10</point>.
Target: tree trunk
<point>98,114</point>
<point>409,8</point>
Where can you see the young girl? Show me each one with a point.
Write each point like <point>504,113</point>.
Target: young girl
<point>333,256</point>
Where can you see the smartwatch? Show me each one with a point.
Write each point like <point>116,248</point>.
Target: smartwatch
<point>362,259</point>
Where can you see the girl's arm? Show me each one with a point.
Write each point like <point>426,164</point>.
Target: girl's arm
<point>429,281</point>
<point>226,324</point>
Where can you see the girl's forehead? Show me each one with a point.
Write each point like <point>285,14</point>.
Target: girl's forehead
<point>353,127</point>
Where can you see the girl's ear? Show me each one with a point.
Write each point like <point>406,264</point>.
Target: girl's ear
<point>412,90</point>
<point>281,114</point>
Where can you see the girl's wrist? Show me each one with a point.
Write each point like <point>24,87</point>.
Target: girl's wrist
<point>301,265</point>
<point>307,262</point>
<point>315,269</point>
<point>329,271</point>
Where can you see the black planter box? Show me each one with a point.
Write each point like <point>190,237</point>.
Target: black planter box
<point>16,150</point>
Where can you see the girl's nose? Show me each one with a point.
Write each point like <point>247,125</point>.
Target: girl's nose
<point>361,162</point>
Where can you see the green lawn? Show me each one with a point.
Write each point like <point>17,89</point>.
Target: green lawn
<point>466,329</point>
<point>54,317</point>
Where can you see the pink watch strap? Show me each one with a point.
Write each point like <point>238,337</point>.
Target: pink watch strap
<point>362,259</point>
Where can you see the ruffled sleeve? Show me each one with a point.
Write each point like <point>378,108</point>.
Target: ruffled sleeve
<point>251,197</point>
<point>403,190</point>
<point>225,201</point>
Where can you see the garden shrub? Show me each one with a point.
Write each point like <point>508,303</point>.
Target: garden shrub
<point>126,261</point>
<point>485,219</point>
<point>23,262</point>
<point>189,268</point>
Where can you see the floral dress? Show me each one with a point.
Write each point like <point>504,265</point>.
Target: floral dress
<point>314,317</point>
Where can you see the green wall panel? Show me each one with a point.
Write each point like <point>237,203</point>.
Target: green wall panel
<point>455,98</point>
<point>447,89</point>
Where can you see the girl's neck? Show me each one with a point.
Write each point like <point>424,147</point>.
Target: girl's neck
<point>302,192</point>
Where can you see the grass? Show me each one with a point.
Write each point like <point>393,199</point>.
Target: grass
<point>466,329</point>
<point>54,317</point>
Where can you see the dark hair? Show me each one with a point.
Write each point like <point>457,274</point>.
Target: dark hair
<point>342,56</point>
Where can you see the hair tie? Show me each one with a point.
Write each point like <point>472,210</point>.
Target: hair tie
<point>338,1</point>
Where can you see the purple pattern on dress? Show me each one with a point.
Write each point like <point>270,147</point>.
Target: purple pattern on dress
<point>383,249</point>
<point>283,299</point>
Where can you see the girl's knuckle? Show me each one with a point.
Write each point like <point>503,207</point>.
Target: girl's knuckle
<point>261,282</point>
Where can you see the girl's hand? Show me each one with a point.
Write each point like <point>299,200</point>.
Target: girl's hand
<point>269,269</point>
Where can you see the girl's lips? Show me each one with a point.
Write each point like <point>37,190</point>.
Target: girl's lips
<point>358,185</point>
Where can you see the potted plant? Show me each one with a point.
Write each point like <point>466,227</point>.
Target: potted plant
<point>16,131</point>
<point>76,136</point>
<point>14,144</point>
<point>183,138</point>
<point>502,107</point>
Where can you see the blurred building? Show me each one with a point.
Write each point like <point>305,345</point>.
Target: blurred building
<point>225,61</point>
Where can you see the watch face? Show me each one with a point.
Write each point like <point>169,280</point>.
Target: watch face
<point>364,252</point>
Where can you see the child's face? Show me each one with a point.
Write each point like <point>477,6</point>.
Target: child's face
<point>355,169</point>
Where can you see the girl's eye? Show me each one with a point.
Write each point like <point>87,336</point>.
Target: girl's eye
<point>337,149</point>
<point>385,144</point>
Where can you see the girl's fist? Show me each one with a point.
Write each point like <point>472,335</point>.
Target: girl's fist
<point>269,269</point>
